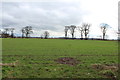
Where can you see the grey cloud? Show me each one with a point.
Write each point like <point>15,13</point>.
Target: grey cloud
<point>42,16</point>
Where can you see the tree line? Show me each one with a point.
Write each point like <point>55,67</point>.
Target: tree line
<point>26,31</point>
<point>83,29</point>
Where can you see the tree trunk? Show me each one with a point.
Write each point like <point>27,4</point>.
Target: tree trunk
<point>81,35</point>
<point>12,35</point>
<point>85,36</point>
<point>65,34</point>
<point>103,36</point>
<point>72,35</point>
<point>26,35</point>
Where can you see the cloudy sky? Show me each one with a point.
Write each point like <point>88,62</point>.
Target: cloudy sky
<point>53,15</point>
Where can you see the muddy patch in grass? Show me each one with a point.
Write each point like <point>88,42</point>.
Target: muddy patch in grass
<point>107,70</point>
<point>9,64</point>
<point>113,67</point>
<point>67,60</point>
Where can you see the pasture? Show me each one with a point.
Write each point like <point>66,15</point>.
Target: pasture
<point>40,58</point>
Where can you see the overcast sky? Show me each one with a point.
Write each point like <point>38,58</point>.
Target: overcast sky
<point>53,15</point>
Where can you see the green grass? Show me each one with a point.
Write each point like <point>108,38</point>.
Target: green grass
<point>36,57</point>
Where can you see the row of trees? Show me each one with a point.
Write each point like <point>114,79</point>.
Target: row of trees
<point>84,30</point>
<point>5,33</point>
<point>26,31</point>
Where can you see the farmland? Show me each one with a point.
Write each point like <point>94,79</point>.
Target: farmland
<point>37,58</point>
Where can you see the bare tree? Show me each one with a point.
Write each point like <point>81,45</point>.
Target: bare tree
<point>86,27</point>
<point>5,33</point>
<point>46,34</point>
<point>81,31</point>
<point>72,29</point>
<point>27,31</point>
<point>66,30</point>
<point>23,32</point>
<point>6,30</point>
<point>12,34</point>
<point>104,28</point>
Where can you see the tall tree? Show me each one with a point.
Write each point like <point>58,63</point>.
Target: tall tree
<point>104,28</point>
<point>86,27</point>
<point>66,30</point>
<point>81,31</point>
<point>46,34</point>
<point>27,31</point>
<point>23,32</point>
<point>5,33</point>
<point>6,30</point>
<point>72,29</point>
<point>12,34</point>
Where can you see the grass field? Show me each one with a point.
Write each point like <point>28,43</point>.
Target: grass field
<point>35,58</point>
